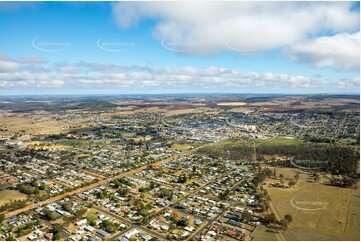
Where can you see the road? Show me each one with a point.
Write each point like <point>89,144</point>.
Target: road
<point>82,189</point>
<point>133,225</point>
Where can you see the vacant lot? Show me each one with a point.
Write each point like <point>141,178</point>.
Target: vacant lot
<point>7,195</point>
<point>319,211</point>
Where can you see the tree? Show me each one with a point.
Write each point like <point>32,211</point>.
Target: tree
<point>11,238</point>
<point>274,173</point>
<point>271,218</point>
<point>56,237</point>
<point>184,221</point>
<point>284,224</point>
<point>49,215</point>
<point>182,178</point>
<point>317,178</point>
<point>2,217</point>
<point>176,215</point>
<point>194,168</point>
<point>292,183</point>
<point>288,218</point>
<point>56,228</point>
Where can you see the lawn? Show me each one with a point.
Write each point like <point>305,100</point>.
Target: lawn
<point>7,195</point>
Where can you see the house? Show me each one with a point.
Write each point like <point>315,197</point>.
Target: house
<point>165,227</point>
<point>198,222</point>
<point>32,237</point>
<point>232,217</point>
<point>81,222</point>
<point>49,236</point>
<point>131,233</point>
<point>95,238</point>
<point>89,228</point>
<point>146,237</point>
<point>38,232</point>
<point>231,233</point>
<point>102,233</point>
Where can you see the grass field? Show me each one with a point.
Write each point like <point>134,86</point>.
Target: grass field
<point>261,234</point>
<point>280,141</point>
<point>319,211</point>
<point>7,195</point>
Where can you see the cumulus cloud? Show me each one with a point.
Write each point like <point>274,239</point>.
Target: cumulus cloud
<point>246,27</point>
<point>341,51</point>
<point>209,27</point>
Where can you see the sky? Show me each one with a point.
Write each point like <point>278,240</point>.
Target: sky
<point>179,47</point>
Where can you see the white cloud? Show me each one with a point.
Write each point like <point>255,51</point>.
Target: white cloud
<point>209,27</point>
<point>341,51</point>
<point>7,64</point>
<point>85,76</point>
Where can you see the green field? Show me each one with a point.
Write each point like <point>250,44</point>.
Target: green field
<point>7,195</point>
<point>280,141</point>
<point>319,211</point>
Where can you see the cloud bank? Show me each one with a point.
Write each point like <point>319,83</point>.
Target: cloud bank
<point>31,73</point>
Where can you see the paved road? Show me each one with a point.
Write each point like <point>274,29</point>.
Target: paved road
<point>82,189</point>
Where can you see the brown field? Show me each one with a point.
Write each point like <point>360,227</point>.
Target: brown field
<point>7,195</point>
<point>17,124</point>
<point>261,234</point>
<point>261,104</point>
<point>193,110</point>
<point>319,211</point>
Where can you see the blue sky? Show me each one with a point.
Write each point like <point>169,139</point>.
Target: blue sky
<point>138,47</point>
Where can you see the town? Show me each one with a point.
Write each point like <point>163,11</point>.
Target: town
<point>194,169</point>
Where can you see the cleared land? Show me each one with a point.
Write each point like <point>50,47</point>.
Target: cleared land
<point>7,195</point>
<point>319,211</point>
